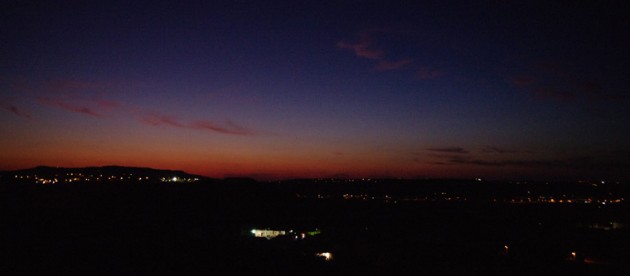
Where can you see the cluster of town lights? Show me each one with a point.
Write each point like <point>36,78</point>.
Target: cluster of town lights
<point>78,177</point>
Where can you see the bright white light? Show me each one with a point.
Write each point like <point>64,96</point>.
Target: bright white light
<point>253,231</point>
<point>174,179</point>
<point>327,255</point>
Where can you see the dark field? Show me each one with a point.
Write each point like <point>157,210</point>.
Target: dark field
<point>205,228</point>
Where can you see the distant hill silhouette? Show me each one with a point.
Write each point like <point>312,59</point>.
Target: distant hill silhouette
<point>101,174</point>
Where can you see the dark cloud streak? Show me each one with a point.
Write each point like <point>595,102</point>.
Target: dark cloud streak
<point>161,120</point>
<point>15,110</point>
<point>491,149</point>
<point>385,65</point>
<point>576,163</point>
<point>227,128</point>
<point>449,150</point>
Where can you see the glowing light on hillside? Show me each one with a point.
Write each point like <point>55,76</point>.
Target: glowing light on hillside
<point>326,255</point>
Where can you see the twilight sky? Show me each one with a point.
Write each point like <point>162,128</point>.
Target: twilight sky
<point>488,89</point>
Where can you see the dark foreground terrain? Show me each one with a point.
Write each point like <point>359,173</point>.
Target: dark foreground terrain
<point>202,228</point>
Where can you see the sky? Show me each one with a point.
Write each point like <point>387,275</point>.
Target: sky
<point>291,89</point>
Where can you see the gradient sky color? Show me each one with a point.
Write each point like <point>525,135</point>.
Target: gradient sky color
<point>276,90</point>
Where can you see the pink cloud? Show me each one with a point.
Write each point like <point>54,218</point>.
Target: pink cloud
<point>70,107</point>
<point>426,73</point>
<point>362,48</point>
<point>161,120</point>
<point>155,119</point>
<point>80,97</point>
<point>96,107</point>
<point>385,65</point>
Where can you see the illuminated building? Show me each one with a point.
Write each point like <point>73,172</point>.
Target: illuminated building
<point>269,234</point>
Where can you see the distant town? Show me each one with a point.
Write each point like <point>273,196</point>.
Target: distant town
<point>389,191</point>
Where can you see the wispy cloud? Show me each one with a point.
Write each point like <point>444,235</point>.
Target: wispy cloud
<point>161,120</point>
<point>15,110</point>
<point>385,65</point>
<point>70,106</point>
<point>491,149</point>
<point>449,150</point>
<point>86,98</point>
<point>362,48</point>
<point>229,127</point>
<point>365,47</point>
<point>426,73</point>
<point>502,163</point>
<point>576,163</point>
<point>96,107</point>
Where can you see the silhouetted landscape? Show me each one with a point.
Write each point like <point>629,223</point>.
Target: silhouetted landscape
<point>138,220</point>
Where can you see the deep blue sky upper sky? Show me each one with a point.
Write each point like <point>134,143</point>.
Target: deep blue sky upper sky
<point>327,88</point>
